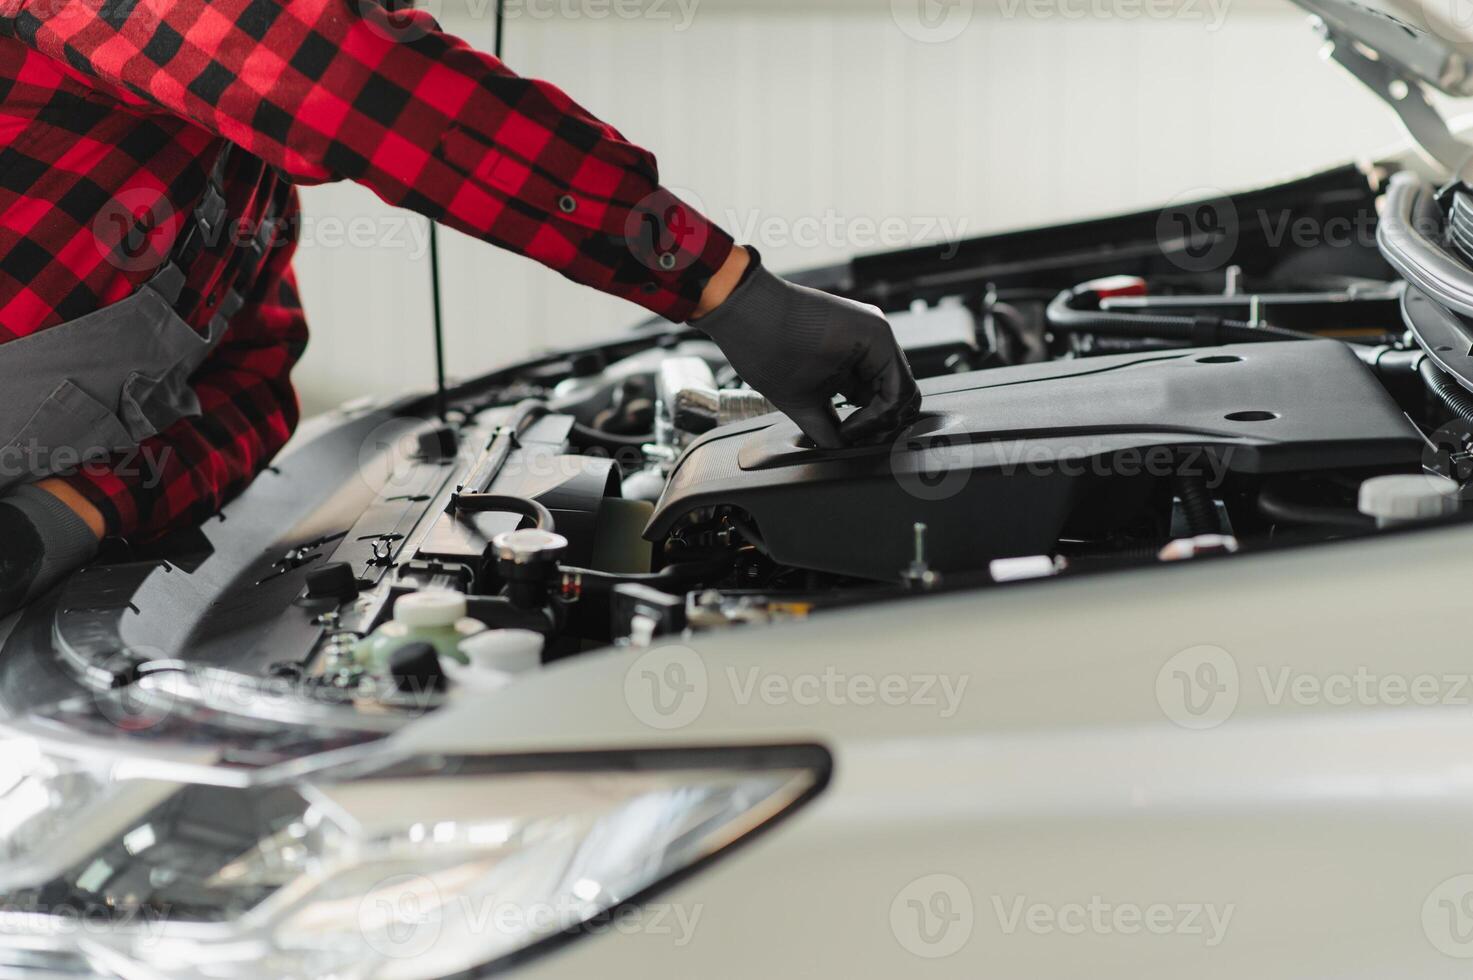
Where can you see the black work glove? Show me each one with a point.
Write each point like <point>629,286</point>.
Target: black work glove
<point>41,539</point>
<point>799,347</point>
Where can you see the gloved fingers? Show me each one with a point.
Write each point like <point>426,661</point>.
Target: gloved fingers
<point>894,400</point>
<point>819,422</point>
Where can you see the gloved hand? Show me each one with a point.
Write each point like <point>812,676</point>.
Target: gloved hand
<point>41,539</point>
<point>799,347</point>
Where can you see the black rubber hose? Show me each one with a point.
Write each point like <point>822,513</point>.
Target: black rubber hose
<point>1282,510</point>
<point>1449,392</point>
<point>674,578</point>
<point>1197,505</point>
<point>481,503</point>
<point>587,436</point>
<point>1197,331</point>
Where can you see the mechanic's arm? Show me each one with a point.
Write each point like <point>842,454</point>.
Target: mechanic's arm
<point>332,89</point>
<point>339,89</point>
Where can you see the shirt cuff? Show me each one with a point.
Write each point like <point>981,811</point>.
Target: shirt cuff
<point>107,492</point>
<point>674,253</point>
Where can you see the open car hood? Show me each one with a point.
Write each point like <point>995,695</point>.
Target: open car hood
<point>1430,40</point>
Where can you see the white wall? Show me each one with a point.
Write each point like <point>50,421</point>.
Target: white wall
<point>823,119</point>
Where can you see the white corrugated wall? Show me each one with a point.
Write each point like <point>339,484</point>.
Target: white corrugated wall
<point>819,128</point>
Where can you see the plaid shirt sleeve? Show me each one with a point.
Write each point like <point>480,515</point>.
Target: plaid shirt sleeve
<point>347,89</point>
<point>324,90</point>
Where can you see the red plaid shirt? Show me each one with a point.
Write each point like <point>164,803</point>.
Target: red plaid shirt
<point>113,111</point>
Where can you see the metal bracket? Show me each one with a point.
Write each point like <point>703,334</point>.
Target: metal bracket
<point>1405,95</point>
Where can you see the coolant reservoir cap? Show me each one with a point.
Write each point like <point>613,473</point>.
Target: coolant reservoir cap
<point>1408,497</point>
<point>529,545</point>
<point>430,609</point>
<point>510,651</point>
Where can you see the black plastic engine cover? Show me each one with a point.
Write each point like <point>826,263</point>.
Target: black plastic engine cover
<point>1001,458</point>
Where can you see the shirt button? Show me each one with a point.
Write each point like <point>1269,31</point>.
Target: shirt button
<point>667,261</point>
<point>567,204</point>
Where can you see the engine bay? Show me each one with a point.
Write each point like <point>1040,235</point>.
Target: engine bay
<point>1092,401</point>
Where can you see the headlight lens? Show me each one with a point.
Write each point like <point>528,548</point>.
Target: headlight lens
<point>413,871</point>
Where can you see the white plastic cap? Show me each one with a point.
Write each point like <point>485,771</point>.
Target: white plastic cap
<point>511,651</point>
<point>1412,497</point>
<point>431,609</point>
<point>474,680</point>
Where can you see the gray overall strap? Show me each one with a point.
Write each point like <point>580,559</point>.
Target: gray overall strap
<point>102,383</point>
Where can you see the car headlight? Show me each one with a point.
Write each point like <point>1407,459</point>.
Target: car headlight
<point>419,869</point>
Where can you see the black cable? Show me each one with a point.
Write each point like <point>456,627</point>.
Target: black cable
<point>437,316</point>
<point>1195,330</point>
<point>1282,510</point>
<point>481,503</point>
<point>676,578</point>
<point>437,319</point>
<point>1197,505</point>
<point>1448,391</point>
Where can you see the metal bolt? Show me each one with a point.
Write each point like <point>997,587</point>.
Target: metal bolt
<point>919,574</point>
